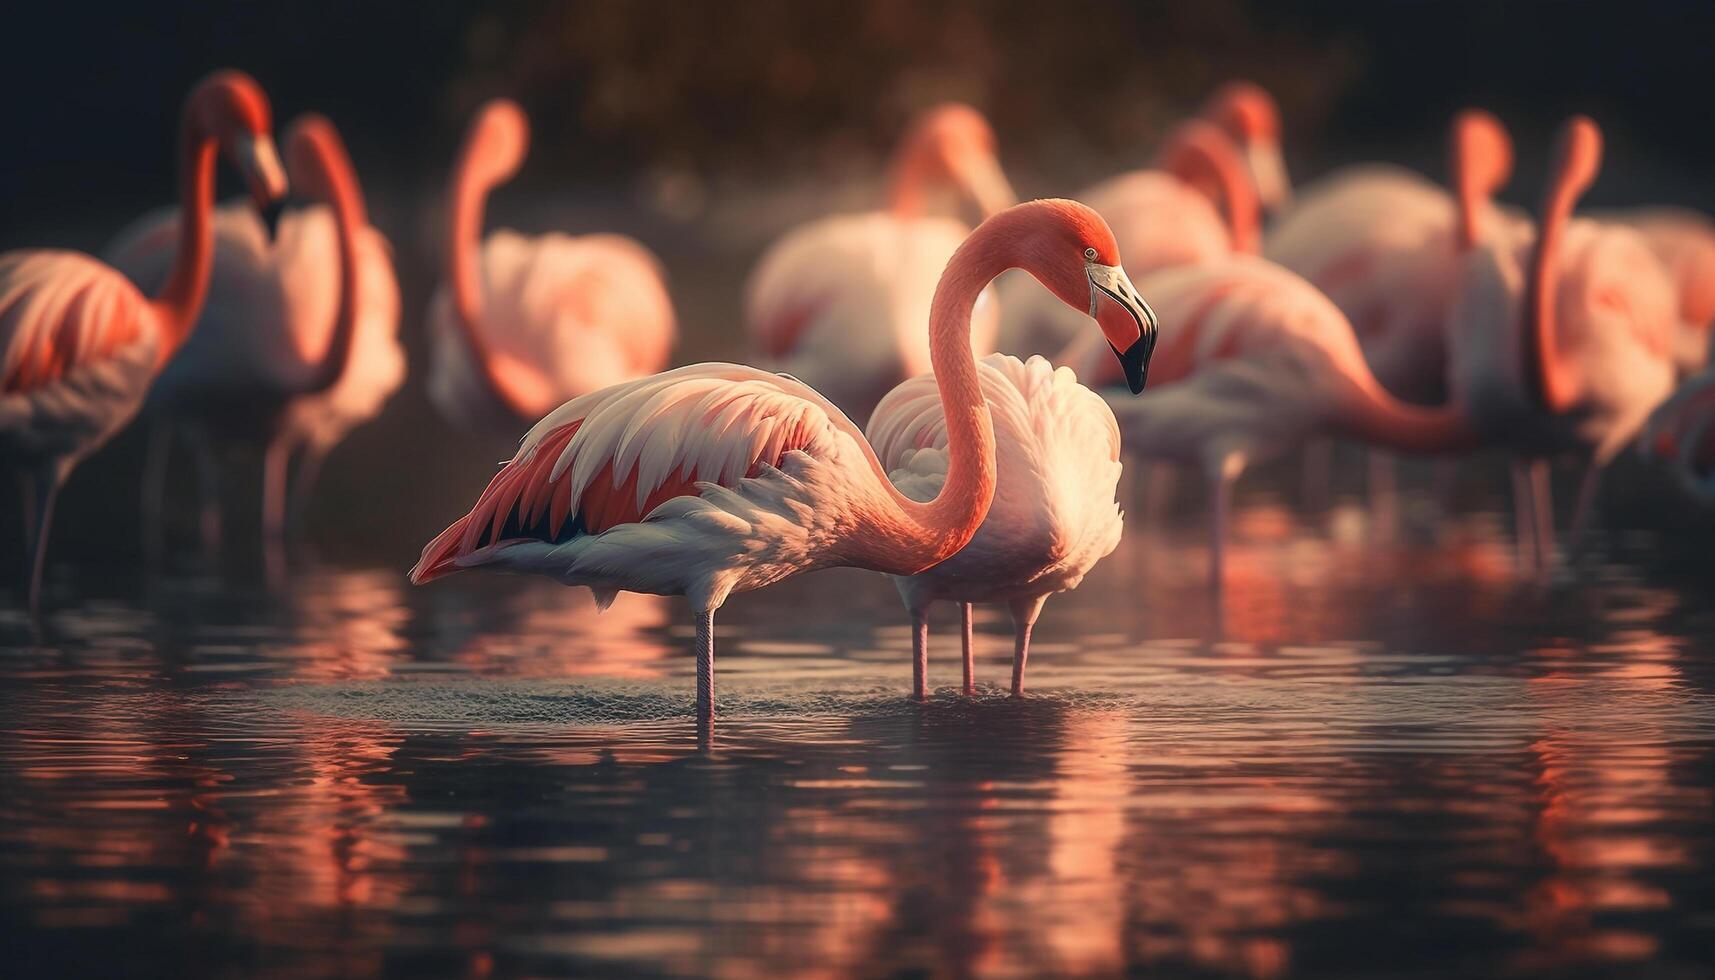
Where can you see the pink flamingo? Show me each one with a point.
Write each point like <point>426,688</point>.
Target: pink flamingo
<point>720,478</point>
<point>298,342</point>
<point>1682,433</point>
<point>1249,115</point>
<point>1163,216</point>
<point>1253,360</point>
<point>81,345</point>
<point>839,302</point>
<point>1562,345</point>
<point>522,324</point>
<point>1053,516</point>
<point>1684,241</point>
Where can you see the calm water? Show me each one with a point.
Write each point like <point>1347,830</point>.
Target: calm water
<point>1369,760</point>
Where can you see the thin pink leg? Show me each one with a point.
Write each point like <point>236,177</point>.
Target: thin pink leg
<point>1542,503</point>
<point>970,666</point>
<point>47,490</point>
<point>208,473</point>
<point>274,460</point>
<point>919,655</point>
<point>1524,517</point>
<point>1223,474</point>
<point>1588,488</point>
<point>706,666</point>
<point>1024,613</point>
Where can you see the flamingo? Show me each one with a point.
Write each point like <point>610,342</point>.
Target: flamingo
<point>298,342</point>
<point>1163,216</point>
<point>81,345</point>
<point>1562,345</point>
<point>1681,432</point>
<point>1253,360</point>
<point>720,478</point>
<point>1053,516</point>
<point>522,324</point>
<point>1684,241</point>
<point>838,302</point>
<point>1250,116</point>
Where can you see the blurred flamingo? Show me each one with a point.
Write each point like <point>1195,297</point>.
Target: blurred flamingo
<point>1682,433</point>
<point>720,478</point>
<point>1253,360</point>
<point>81,345</point>
<point>1195,205</point>
<point>298,342</point>
<point>1053,516</point>
<point>1562,345</point>
<point>522,324</point>
<point>1250,116</point>
<point>1684,241</point>
<point>839,302</point>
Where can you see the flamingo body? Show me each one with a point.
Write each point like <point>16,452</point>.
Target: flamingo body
<point>1684,241</point>
<point>584,311</point>
<point>839,303</point>
<point>1053,516</point>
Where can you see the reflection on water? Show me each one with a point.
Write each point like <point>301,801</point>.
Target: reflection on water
<point>1363,761</point>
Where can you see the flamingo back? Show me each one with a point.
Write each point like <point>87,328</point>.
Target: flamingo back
<point>614,456</point>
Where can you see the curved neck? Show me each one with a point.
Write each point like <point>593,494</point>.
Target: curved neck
<point>471,182</point>
<point>908,179</point>
<point>1548,379</point>
<point>1481,164</point>
<point>1377,417</point>
<point>1205,157</point>
<point>180,299</point>
<point>918,535</point>
<point>350,219</point>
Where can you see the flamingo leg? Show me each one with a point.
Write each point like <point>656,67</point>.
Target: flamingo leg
<point>1024,613</point>
<point>1588,489</point>
<point>1223,474</point>
<point>274,460</point>
<point>970,665</point>
<point>1384,491</point>
<point>1524,516</point>
<point>919,655</point>
<point>1317,474</point>
<point>208,475</point>
<point>705,665</point>
<point>155,484</point>
<point>41,503</point>
<point>309,471</point>
<point>1542,504</point>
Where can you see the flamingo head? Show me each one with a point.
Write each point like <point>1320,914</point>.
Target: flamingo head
<point>1070,249</point>
<point>1481,164</point>
<point>1249,115</point>
<point>316,160</point>
<point>230,107</point>
<point>496,142</point>
<point>953,142</point>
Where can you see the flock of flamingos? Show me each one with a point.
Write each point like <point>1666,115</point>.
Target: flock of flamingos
<point>1376,305</point>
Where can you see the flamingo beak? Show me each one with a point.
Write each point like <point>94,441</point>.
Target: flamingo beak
<point>259,161</point>
<point>1268,173</point>
<point>986,183</point>
<point>1126,321</point>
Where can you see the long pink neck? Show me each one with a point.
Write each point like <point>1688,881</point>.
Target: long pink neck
<point>1205,157</point>
<point>1481,165</point>
<point>485,158</point>
<point>908,181</point>
<point>1578,157</point>
<point>350,218</point>
<point>180,299</point>
<point>910,536</point>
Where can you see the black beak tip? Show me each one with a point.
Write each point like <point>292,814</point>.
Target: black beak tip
<point>271,213</point>
<point>1135,361</point>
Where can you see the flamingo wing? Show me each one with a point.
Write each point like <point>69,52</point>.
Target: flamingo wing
<point>60,311</point>
<point>614,456</point>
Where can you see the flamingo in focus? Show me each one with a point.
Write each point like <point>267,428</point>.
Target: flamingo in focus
<point>839,302</point>
<point>522,324</point>
<point>298,342</point>
<point>1253,360</point>
<point>1196,204</point>
<point>720,478</point>
<point>1248,114</point>
<point>80,345</point>
<point>1562,345</point>
<point>1681,433</point>
<point>1053,516</point>
<point>1684,241</point>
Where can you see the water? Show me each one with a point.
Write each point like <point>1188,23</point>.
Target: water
<point>1369,759</point>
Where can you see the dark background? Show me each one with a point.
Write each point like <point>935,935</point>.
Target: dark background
<point>692,124</point>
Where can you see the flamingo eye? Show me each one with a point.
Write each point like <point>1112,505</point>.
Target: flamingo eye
<point>1090,254</point>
